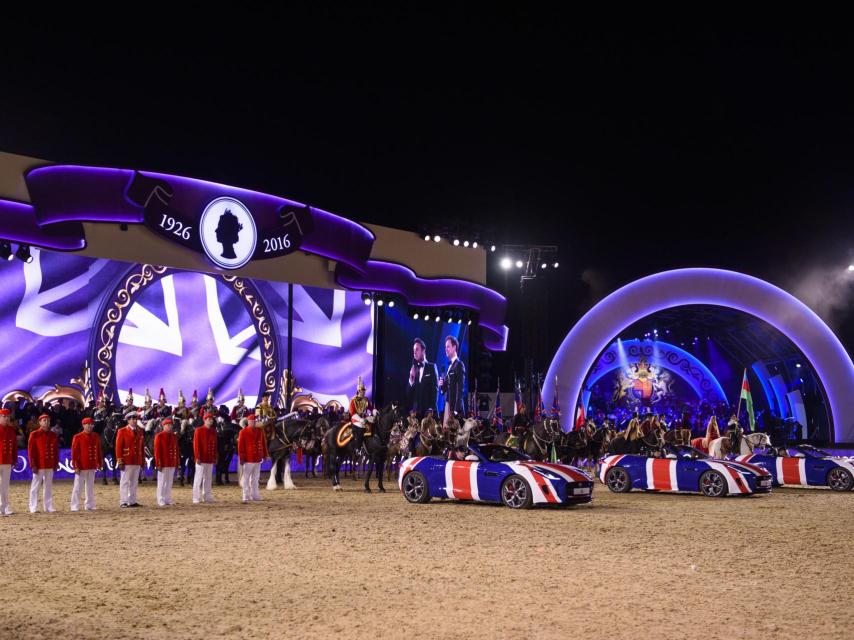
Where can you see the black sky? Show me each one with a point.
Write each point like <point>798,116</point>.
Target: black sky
<point>633,149</point>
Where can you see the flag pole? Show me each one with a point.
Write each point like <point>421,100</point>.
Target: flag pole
<point>740,390</point>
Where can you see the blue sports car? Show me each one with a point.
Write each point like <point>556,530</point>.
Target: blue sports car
<point>683,469</point>
<point>804,464</point>
<point>494,473</point>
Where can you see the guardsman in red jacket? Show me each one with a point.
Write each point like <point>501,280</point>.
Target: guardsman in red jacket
<point>8,459</point>
<point>86,459</point>
<point>129,458</point>
<point>43,449</point>
<point>204,449</point>
<point>251,450</point>
<point>166,458</point>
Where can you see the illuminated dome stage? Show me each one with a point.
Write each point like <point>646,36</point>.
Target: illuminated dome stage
<point>800,376</point>
<point>691,359</point>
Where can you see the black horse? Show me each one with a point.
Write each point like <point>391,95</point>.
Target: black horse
<point>186,455</point>
<point>107,425</point>
<point>654,440</point>
<point>340,446</point>
<point>226,443</point>
<point>286,437</point>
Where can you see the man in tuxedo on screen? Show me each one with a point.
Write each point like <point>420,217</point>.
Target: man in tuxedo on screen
<point>453,382</point>
<point>423,384</point>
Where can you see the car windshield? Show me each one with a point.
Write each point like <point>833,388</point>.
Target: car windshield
<point>812,451</point>
<point>499,453</point>
<point>684,451</point>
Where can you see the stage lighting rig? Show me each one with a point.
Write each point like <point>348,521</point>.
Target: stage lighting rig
<point>531,260</point>
<point>6,250</point>
<point>23,253</point>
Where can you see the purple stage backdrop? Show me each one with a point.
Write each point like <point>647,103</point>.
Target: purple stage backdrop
<point>185,330</point>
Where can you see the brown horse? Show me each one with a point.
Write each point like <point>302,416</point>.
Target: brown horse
<point>679,435</point>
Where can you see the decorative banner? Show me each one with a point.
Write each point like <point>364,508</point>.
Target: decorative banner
<point>225,229</point>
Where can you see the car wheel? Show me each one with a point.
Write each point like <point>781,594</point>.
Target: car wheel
<point>712,484</point>
<point>840,479</point>
<point>415,487</point>
<point>516,493</point>
<point>618,480</point>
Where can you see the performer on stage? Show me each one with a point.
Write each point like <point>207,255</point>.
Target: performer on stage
<point>86,459</point>
<point>423,384</point>
<point>129,458</point>
<point>204,450</point>
<point>208,406</point>
<point>519,427</point>
<point>128,405</point>
<point>166,458</point>
<point>453,383</point>
<point>43,450</point>
<point>251,451</point>
<point>8,458</point>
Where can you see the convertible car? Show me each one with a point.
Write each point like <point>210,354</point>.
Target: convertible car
<point>804,464</point>
<point>494,473</point>
<point>683,469</point>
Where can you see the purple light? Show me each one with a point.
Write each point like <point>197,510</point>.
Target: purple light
<point>582,345</point>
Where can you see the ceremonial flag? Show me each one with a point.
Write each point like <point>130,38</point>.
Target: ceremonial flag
<point>517,397</point>
<point>555,405</point>
<point>540,409</point>
<point>498,415</point>
<point>748,400</point>
<point>579,417</point>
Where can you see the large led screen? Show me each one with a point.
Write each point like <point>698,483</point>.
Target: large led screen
<point>182,330</point>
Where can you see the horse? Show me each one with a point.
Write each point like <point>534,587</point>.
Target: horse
<point>678,435</point>
<point>597,444</point>
<point>286,435</point>
<point>398,446</point>
<point>311,446</point>
<point>722,447</point>
<point>108,428</point>
<point>186,454</point>
<point>226,443</point>
<point>712,434</point>
<point>464,433</point>
<point>538,442</point>
<point>574,445</point>
<point>429,439</point>
<point>342,444</point>
<point>621,445</point>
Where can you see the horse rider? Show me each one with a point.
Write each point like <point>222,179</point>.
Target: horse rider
<point>8,458</point>
<point>360,414</point>
<point>163,410</point>
<point>86,460</point>
<point>129,459</point>
<point>251,451</point>
<point>519,427</point>
<point>240,409</point>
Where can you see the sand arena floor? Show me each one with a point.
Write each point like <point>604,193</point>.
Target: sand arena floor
<point>313,563</point>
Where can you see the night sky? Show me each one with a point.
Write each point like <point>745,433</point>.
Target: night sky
<point>635,150</point>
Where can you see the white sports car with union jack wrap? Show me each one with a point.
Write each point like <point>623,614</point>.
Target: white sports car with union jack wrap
<point>494,473</point>
<point>684,469</point>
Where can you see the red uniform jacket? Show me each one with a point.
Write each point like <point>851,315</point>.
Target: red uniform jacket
<point>8,445</point>
<point>166,449</point>
<point>204,445</point>
<point>252,445</point>
<point>43,449</point>
<point>129,446</point>
<point>86,451</point>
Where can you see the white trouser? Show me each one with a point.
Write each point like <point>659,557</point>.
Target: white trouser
<point>128,484</point>
<point>83,479</point>
<point>203,476</point>
<point>5,476</point>
<point>44,477</point>
<point>251,473</point>
<point>164,485</point>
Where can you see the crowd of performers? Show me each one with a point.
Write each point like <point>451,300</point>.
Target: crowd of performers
<point>194,439</point>
<point>201,436</point>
